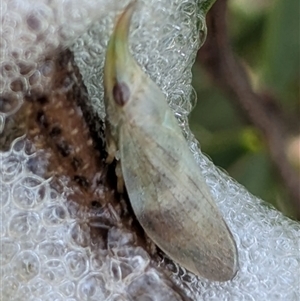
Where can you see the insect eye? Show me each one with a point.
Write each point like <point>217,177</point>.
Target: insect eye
<point>121,93</point>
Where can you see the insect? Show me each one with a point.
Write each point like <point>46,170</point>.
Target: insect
<point>165,186</point>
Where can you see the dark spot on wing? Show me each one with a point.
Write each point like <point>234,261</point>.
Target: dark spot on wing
<point>121,93</point>
<point>163,222</point>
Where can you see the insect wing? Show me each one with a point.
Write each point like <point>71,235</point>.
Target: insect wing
<point>172,202</point>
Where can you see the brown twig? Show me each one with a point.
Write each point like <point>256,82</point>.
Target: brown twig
<point>262,111</point>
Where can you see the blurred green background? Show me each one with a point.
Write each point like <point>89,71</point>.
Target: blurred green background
<point>265,35</point>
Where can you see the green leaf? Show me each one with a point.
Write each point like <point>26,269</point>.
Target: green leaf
<point>281,56</point>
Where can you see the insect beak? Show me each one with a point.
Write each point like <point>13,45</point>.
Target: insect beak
<point>118,61</point>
